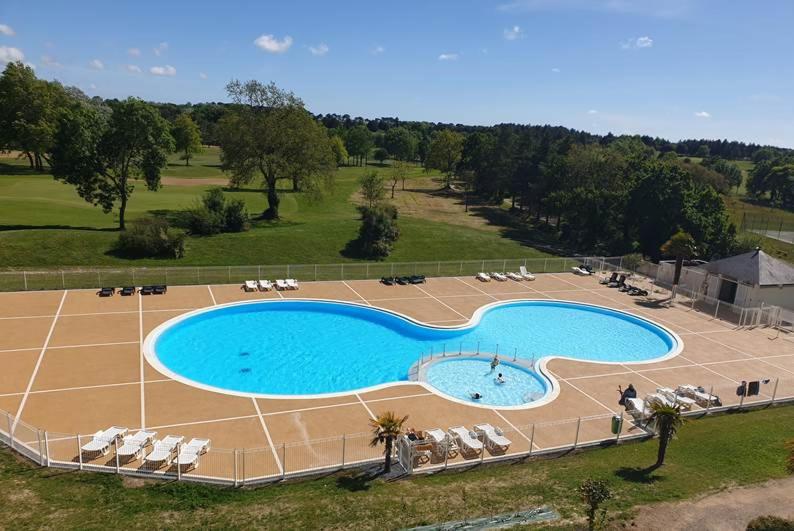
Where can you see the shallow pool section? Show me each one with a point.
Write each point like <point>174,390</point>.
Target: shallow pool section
<point>459,378</point>
<point>312,347</point>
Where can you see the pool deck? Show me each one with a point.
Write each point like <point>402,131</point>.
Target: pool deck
<point>71,362</point>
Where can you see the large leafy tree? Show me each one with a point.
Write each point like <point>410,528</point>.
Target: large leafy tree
<point>359,143</point>
<point>29,111</point>
<point>187,137</point>
<point>101,155</point>
<point>269,135</point>
<point>446,151</point>
<point>680,246</point>
<point>401,143</point>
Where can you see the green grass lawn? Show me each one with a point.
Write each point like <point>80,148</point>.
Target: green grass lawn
<point>709,454</point>
<point>43,223</point>
<point>203,165</point>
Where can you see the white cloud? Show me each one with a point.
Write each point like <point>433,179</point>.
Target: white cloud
<point>160,49</point>
<point>166,70</point>
<point>96,64</point>
<point>202,75</point>
<point>271,44</point>
<point>448,57</point>
<point>556,70</point>
<point>50,62</point>
<point>513,33</point>
<point>702,114</point>
<point>377,50</point>
<point>9,54</point>
<point>134,52</point>
<point>319,50</point>
<point>639,42</point>
<point>92,86</point>
<point>7,30</point>
<point>592,111</point>
<point>133,69</point>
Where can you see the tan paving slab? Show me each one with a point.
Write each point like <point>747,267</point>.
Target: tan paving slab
<point>694,375</point>
<point>395,391</point>
<point>152,320</point>
<point>678,361</point>
<point>84,301</point>
<point>755,343</point>
<point>564,368</point>
<point>9,404</point>
<point>570,404</point>
<point>522,296</point>
<point>374,290</point>
<point>93,329</point>
<point>468,304</point>
<point>226,434</point>
<point>24,333</point>
<point>84,366</point>
<point>173,403</point>
<point>744,370</point>
<point>605,388</point>
<point>317,423</point>
<point>233,293</point>
<point>16,368</point>
<point>552,282</point>
<point>268,405</point>
<point>422,310</point>
<point>441,287</point>
<point>322,290</point>
<point>178,298</point>
<point>84,410</point>
<point>586,297</point>
<point>29,303</point>
<point>784,362</point>
<point>701,349</point>
<point>493,287</point>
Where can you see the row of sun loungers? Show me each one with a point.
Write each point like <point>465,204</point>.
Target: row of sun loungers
<point>266,285</point>
<point>460,439</point>
<point>159,289</point>
<point>523,274</point>
<point>684,397</point>
<point>403,281</point>
<point>165,451</point>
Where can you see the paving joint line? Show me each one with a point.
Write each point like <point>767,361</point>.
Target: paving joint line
<point>530,441</point>
<point>267,434</point>
<point>357,294</point>
<point>141,361</point>
<point>212,295</point>
<point>441,302</point>
<point>371,414</point>
<point>474,287</point>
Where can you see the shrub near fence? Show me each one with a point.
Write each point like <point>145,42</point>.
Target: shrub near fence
<point>138,276</point>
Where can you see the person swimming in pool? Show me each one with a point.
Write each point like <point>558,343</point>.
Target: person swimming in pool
<point>475,396</point>
<point>494,363</point>
<point>499,379</point>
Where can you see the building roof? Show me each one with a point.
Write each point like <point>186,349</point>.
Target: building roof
<point>755,267</point>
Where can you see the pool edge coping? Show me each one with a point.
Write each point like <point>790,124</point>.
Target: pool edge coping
<point>147,349</point>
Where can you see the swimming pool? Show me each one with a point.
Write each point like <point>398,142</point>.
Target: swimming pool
<point>314,347</point>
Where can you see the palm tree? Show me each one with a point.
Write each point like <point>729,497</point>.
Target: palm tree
<point>681,245</point>
<point>385,429</point>
<point>667,419</point>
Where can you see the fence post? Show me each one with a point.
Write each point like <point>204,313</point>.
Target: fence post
<point>774,391</point>
<point>531,440</point>
<point>620,429</point>
<point>116,451</point>
<point>344,443</point>
<point>283,460</point>
<point>482,452</point>
<point>717,309</point>
<point>478,348</point>
<point>315,272</point>
<point>46,448</point>
<point>708,404</point>
<point>236,462</point>
<point>41,447</point>
<point>229,275</point>
<point>446,451</point>
<point>178,467</point>
<point>242,481</point>
<point>63,280</point>
<point>460,270</point>
<point>10,431</point>
<point>79,453</point>
<point>545,262</point>
<point>25,279</point>
<point>342,273</point>
<point>576,439</point>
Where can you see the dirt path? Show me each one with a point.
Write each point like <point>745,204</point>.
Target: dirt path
<point>728,510</point>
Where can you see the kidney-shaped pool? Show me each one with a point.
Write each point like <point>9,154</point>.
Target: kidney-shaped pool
<point>313,347</point>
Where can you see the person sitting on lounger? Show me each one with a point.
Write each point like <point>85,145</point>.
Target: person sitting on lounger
<point>499,379</point>
<point>412,436</point>
<point>475,396</point>
<point>629,392</point>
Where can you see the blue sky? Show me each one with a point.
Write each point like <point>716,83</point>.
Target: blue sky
<point>672,68</point>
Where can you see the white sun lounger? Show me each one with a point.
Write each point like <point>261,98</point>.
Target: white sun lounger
<point>441,441</point>
<point>494,439</point>
<point>102,440</point>
<point>483,277</point>
<point>702,399</point>
<point>685,402</point>
<point>292,283</point>
<point>281,284</point>
<point>189,453</point>
<point>499,276</point>
<point>164,449</point>
<point>514,276</point>
<point>658,398</point>
<point>265,285</point>
<point>637,408</point>
<point>250,285</point>
<point>467,440</point>
<point>526,274</point>
<point>134,444</point>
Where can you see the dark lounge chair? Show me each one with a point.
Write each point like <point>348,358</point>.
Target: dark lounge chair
<point>127,290</point>
<point>106,292</point>
<point>403,281</point>
<point>634,291</point>
<point>611,279</point>
<point>160,289</point>
<point>619,283</point>
<point>147,290</point>
<point>389,281</point>
<point>418,279</point>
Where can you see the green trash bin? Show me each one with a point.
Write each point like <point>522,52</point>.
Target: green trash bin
<point>617,424</point>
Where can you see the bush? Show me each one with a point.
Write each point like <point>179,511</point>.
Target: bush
<point>378,231</point>
<point>214,214</point>
<point>151,237</point>
<point>770,523</point>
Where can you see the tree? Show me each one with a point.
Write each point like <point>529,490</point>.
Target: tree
<point>399,172</point>
<point>594,493</point>
<point>372,189</point>
<point>269,134</point>
<point>445,154</point>
<point>187,137</point>
<point>101,155</point>
<point>401,143</point>
<point>359,143</point>
<point>339,150</point>
<point>729,170</point>
<point>385,429</point>
<point>681,246</point>
<point>380,154</point>
<point>667,420</point>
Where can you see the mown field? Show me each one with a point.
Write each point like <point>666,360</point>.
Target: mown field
<point>43,223</point>
<point>709,455</point>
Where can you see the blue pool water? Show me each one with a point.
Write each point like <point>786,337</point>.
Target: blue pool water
<point>461,377</point>
<point>315,347</point>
